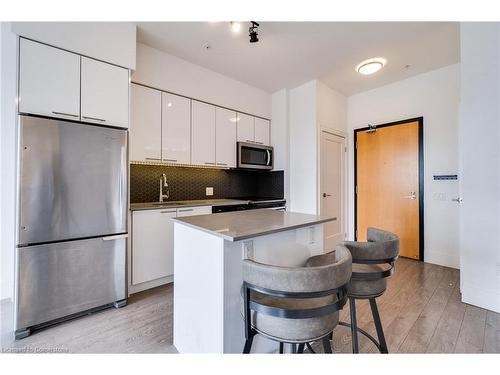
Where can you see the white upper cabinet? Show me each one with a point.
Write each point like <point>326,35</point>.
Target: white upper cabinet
<point>225,138</point>
<point>262,131</point>
<point>49,81</point>
<point>104,94</point>
<point>245,128</point>
<point>203,134</point>
<point>176,129</point>
<point>145,125</point>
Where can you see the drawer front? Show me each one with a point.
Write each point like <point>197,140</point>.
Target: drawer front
<point>60,279</point>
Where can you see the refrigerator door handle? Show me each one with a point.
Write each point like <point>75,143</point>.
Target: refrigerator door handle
<point>112,238</point>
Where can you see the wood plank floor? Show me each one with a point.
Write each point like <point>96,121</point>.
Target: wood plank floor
<point>421,312</point>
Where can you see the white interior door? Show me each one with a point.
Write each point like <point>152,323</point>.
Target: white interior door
<point>332,193</point>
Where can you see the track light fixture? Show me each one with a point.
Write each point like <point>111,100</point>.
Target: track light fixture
<point>253,32</point>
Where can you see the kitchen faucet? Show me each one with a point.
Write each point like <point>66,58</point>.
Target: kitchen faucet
<point>163,183</point>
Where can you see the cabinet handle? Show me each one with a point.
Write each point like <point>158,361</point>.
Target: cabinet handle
<point>167,212</point>
<point>221,164</point>
<point>153,159</point>
<point>116,237</point>
<point>248,140</point>
<point>172,160</point>
<point>64,114</point>
<point>259,143</point>
<point>186,210</point>
<point>209,163</point>
<point>93,118</point>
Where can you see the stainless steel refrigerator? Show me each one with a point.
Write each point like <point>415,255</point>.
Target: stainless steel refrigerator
<point>72,220</point>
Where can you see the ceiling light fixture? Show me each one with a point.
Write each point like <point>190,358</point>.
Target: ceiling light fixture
<point>235,27</point>
<point>253,32</point>
<point>371,66</point>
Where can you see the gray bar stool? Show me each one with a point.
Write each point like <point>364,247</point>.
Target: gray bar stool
<point>372,264</point>
<point>296,305</point>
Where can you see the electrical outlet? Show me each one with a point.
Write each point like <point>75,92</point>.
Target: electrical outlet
<point>209,191</point>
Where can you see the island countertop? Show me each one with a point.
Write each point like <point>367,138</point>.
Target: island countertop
<point>241,225</point>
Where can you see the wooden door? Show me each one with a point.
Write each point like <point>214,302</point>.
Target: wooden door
<point>332,187</point>
<point>387,177</point>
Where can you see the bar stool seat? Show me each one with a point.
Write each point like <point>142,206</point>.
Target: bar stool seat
<point>295,305</point>
<point>368,288</point>
<point>293,330</point>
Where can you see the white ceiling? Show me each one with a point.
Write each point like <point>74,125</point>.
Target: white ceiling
<point>291,53</point>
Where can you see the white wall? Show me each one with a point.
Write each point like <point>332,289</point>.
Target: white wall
<point>303,148</point>
<point>312,107</point>
<point>279,135</point>
<point>113,42</point>
<point>435,96</point>
<point>8,175</point>
<point>163,71</point>
<point>480,164</point>
<point>332,108</point>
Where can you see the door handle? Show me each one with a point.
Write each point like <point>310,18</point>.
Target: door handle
<point>94,118</point>
<point>326,195</point>
<point>116,237</point>
<point>412,196</point>
<point>458,200</point>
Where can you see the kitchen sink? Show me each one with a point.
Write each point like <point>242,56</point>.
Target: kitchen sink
<point>167,204</point>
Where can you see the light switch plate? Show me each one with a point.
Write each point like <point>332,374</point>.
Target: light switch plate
<point>209,191</point>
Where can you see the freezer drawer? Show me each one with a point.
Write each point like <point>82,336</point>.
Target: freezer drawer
<point>60,279</point>
<point>73,180</point>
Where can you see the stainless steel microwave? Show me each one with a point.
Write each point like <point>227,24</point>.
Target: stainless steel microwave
<point>255,156</point>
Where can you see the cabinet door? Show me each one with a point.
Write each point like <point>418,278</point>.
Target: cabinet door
<point>152,245</point>
<point>176,129</point>
<point>104,95</point>
<point>193,211</point>
<point>262,131</point>
<point>245,128</point>
<point>49,81</point>
<point>203,133</point>
<point>145,124</point>
<point>225,138</point>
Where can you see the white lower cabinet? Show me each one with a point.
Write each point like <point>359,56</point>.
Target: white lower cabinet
<point>153,242</point>
<point>152,245</point>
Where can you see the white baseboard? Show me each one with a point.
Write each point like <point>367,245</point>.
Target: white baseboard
<point>486,299</point>
<point>149,284</point>
<point>442,259</point>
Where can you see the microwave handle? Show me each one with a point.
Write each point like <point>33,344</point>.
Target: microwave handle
<point>268,162</point>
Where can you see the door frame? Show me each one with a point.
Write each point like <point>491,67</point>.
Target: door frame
<point>420,121</point>
<point>345,210</point>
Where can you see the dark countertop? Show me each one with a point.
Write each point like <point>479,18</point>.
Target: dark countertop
<point>241,225</point>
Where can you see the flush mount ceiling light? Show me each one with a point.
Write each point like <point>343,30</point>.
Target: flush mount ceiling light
<point>371,66</point>
<point>235,27</point>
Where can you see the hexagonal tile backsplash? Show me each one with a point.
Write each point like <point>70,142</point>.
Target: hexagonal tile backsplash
<point>187,183</point>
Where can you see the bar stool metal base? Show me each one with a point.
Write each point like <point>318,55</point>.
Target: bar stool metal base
<point>381,343</point>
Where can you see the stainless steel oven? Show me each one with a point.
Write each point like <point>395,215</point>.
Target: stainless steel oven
<point>254,156</point>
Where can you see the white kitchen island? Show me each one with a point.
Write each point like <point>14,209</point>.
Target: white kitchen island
<point>208,251</point>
